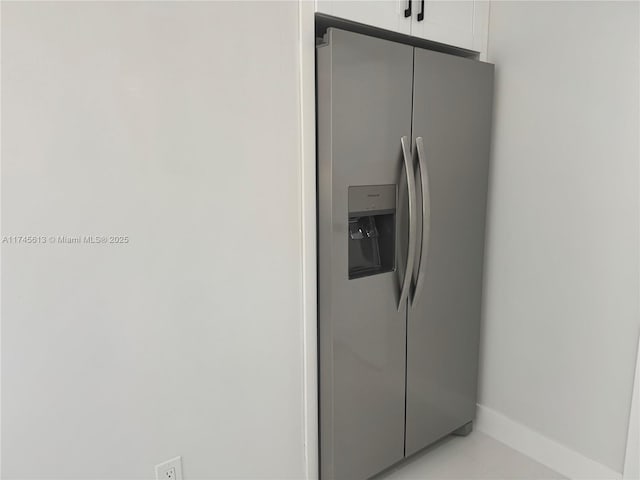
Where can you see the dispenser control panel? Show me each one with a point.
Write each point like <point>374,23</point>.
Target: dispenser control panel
<point>372,198</point>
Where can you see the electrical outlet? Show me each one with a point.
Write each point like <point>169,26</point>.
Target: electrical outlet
<point>169,470</point>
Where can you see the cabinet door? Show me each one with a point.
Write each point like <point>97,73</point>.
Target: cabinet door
<point>450,22</point>
<point>452,114</point>
<point>387,14</point>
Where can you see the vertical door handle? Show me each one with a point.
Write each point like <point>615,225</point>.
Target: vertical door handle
<point>407,11</point>
<point>421,14</point>
<point>411,188</point>
<point>426,219</point>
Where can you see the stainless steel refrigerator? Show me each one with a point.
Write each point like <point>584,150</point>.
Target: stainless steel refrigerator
<point>403,157</point>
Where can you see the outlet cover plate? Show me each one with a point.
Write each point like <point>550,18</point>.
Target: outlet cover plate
<point>170,470</point>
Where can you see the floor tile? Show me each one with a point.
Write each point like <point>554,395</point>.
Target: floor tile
<point>476,456</point>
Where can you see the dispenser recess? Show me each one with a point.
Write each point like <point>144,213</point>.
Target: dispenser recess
<point>372,230</point>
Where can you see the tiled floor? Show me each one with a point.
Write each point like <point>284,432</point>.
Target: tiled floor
<point>477,456</point>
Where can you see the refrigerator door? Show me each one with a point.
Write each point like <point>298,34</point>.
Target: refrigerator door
<point>364,95</point>
<point>452,118</point>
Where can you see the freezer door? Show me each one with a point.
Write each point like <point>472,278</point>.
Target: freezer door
<point>452,118</point>
<point>364,90</point>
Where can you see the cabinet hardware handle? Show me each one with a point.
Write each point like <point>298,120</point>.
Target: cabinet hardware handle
<point>407,11</point>
<point>421,14</point>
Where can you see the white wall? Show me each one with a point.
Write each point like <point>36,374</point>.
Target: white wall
<point>176,124</point>
<point>562,316</point>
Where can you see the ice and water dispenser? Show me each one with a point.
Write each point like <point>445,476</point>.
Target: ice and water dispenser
<point>372,230</point>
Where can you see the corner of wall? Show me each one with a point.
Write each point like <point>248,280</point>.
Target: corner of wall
<point>540,448</point>
<point>306,63</point>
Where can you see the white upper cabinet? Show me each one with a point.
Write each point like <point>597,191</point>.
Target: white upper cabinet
<point>449,22</point>
<point>461,23</point>
<point>387,14</point>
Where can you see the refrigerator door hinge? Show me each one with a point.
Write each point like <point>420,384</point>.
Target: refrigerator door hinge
<point>322,41</point>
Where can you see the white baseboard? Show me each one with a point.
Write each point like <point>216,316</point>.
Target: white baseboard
<point>632,457</point>
<point>554,455</point>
